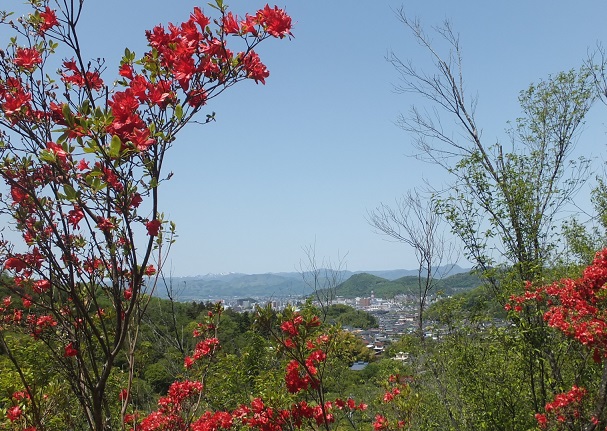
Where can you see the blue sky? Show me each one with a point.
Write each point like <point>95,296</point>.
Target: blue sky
<point>302,159</point>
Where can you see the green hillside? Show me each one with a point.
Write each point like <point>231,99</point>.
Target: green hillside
<point>458,283</point>
<point>361,285</point>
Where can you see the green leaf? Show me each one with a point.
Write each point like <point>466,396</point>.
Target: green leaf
<point>70,193</point>
<point>61,139</point>
<point>179,112</point>
<point>97,185</point>
<point>47,156</point>
<point>85,108</point>
<point>67,114</point>
<point>99,113</point>
<point>115,147</point>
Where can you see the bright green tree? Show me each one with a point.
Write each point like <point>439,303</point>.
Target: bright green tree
<point>505,199</point>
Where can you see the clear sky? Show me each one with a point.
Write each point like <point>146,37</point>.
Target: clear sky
<point>302,159</point>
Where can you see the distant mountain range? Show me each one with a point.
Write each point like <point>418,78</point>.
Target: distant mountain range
<point>287,284</point>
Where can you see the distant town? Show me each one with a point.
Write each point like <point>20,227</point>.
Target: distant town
<point>380,294</point>
<point>396,316</point>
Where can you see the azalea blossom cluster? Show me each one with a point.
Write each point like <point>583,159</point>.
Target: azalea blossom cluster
<point>20,315</point>
<point>397,399</point>
<point>578,309</point>
<point>302,371</point>
<point>18,407</point>
<point>255,416</point>
<point>564,410</point>
<point>207,330</point>
<point>15,413</point>
<point>170,415</point>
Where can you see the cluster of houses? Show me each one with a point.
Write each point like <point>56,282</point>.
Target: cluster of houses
<point>396,317</point>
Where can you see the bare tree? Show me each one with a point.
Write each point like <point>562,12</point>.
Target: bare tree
<point>597,65</point>
<point>322,276</point>
<point>416,222</point>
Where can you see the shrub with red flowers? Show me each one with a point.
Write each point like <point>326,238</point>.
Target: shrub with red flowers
<point>82,161</point>
<point>398,405</point>
<point>566,411</point>
<point>17,409</point>
<point>306,347</point>
<point>578,309</point>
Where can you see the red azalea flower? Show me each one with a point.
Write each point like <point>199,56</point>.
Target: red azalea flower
<point>18,194</point>
<point>140,138</point>
<point>27,58</point>
<point>205,347</point>
<point>381,423</point>
<point>183,69</point>
<point>388,396</point>
<point>83,165</point>
<point>255,68</point>
<point>136,200</point>
<point>290,328</point>
<point>249,25</point>
<point>14,413</point>
<point>41,286</point>
<point>126,70</point>
<point>189,36</point>
<point>44,322</point>
<point>139,87</point>
<point>90,79</point>
<point>21,395</point>
<point>180,391</point>
<point>295,380</point>
<point>15,263</point>
<point>229,24</point>
<point>49,20</point>
<point>153,227</point>
<point>541,419</point>
<point>123,395</point>
<point>16,102</point>
<point>199,18</point>
<point>197,98</point>
<point>317,356</point>
<point>105,224</point>
<point>257,405</point>
<point>275,21</point>
<point>74,217</point>
<point>188,362</point>
<point>70,351</point>
<point>58,150</point>
<point>160,93</point>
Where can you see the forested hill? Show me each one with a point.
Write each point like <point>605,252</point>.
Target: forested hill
<point>361,285</point>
